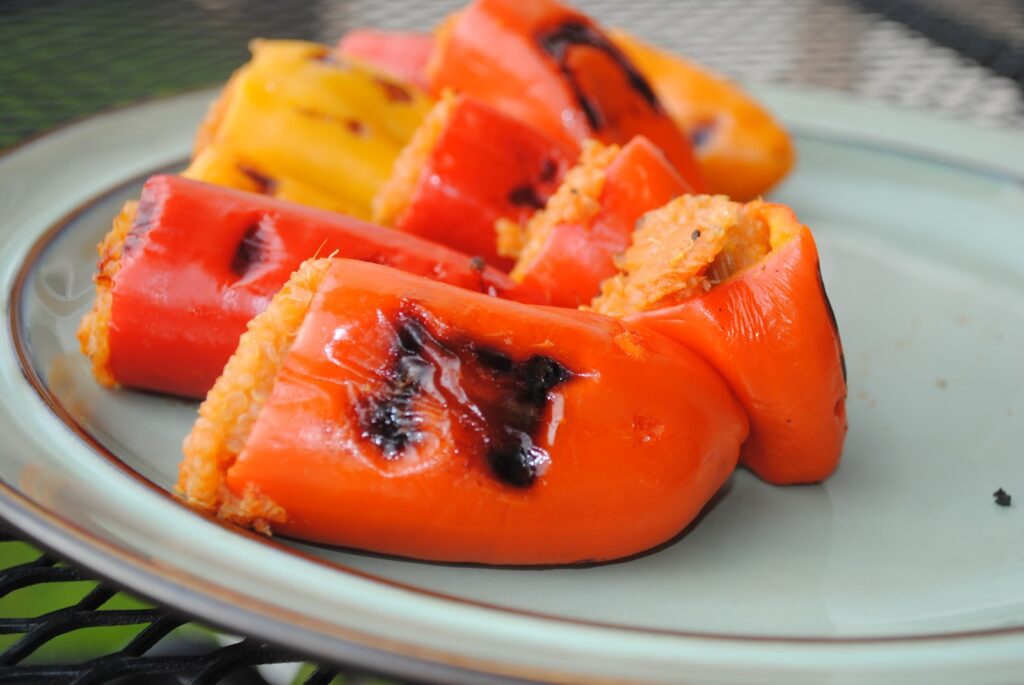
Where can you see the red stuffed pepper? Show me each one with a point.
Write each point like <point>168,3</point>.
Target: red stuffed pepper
<point>741,286</point>
<point>568,249</point>
<point>374,409</point>
<point>468,166</point>
<point>181,275</point>
<point>553,67</point>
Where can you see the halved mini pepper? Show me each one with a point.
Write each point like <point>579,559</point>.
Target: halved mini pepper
<point>374,409</point>
<point>552,67</point>
<point>187,267</point>
<point>569,248</point>
<point>741,286</point>
<point>467,167</point>
<point>297,123</point>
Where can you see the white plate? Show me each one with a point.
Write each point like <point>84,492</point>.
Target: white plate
<point>899,569</point>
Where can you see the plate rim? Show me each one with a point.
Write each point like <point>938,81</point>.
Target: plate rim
<point>55,533</point>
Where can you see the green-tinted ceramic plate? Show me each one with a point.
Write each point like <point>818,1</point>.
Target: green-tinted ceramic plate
<point>899,569</point>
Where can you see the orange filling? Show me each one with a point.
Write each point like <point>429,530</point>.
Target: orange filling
<point>577,201</point>
<point>227,415</point>
<point>687,247</point>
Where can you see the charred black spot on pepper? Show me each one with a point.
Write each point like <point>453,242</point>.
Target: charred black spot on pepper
<point>526,196</point>
<point>327,57</point>
<point>493,359</point>
<point>265,185</point>
<point>389,420</point>
<point>354,126</point>
<point>557,42</point>
<point>498,403</point>
<point>832,320</point>
<point>477,263</point>
<point>548,170</point>
<point>393,91</point>
<point>515,462</point>
<point>1003,498</point>
<point>538,375</point>
<point>701,133</point>
<point>250,251</point>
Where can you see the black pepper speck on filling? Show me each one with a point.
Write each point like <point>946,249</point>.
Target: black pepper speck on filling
<point>1003,498</point>
<point>498,404</point>
<point>556,43</point>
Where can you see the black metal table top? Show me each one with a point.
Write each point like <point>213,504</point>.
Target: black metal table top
<point>64,59</point>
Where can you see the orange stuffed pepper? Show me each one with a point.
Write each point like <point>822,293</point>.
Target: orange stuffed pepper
<point>375,409</point>
<point>741,286</point>
<point>569,248</point>
<point>551,66</point>
<point>184,270</point>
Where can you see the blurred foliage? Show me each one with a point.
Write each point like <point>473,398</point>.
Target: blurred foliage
<point>64,59</point>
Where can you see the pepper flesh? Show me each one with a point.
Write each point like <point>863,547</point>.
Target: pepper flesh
<point>632,434</point>
<point>468,166</point>
<point>570,246</point>
<point>552,67</point>
<point>741,149</point>
<point>298,124</point>
<point>180,280</point>
<point>758,314</point>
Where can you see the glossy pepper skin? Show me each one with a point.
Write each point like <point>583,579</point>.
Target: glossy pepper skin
<point>770,332</point>
<point>571,260</point>
<point>551,66</point>
<point>413,418</point>
<point>298,124</point>
<point>200,261</point>
<point>741,149</point>
<point>404,54</point>
<point>483,166</point>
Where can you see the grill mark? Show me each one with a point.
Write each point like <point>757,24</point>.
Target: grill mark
<point>556,44</point>
<point>393,91</point>
<point>499,403</point>
<point>251,250</point>
<point>265,185</point>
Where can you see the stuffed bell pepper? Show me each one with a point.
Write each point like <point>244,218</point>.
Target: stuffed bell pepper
<point>375,409</point>
<point>740,284</point>
<point>187,267</point>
